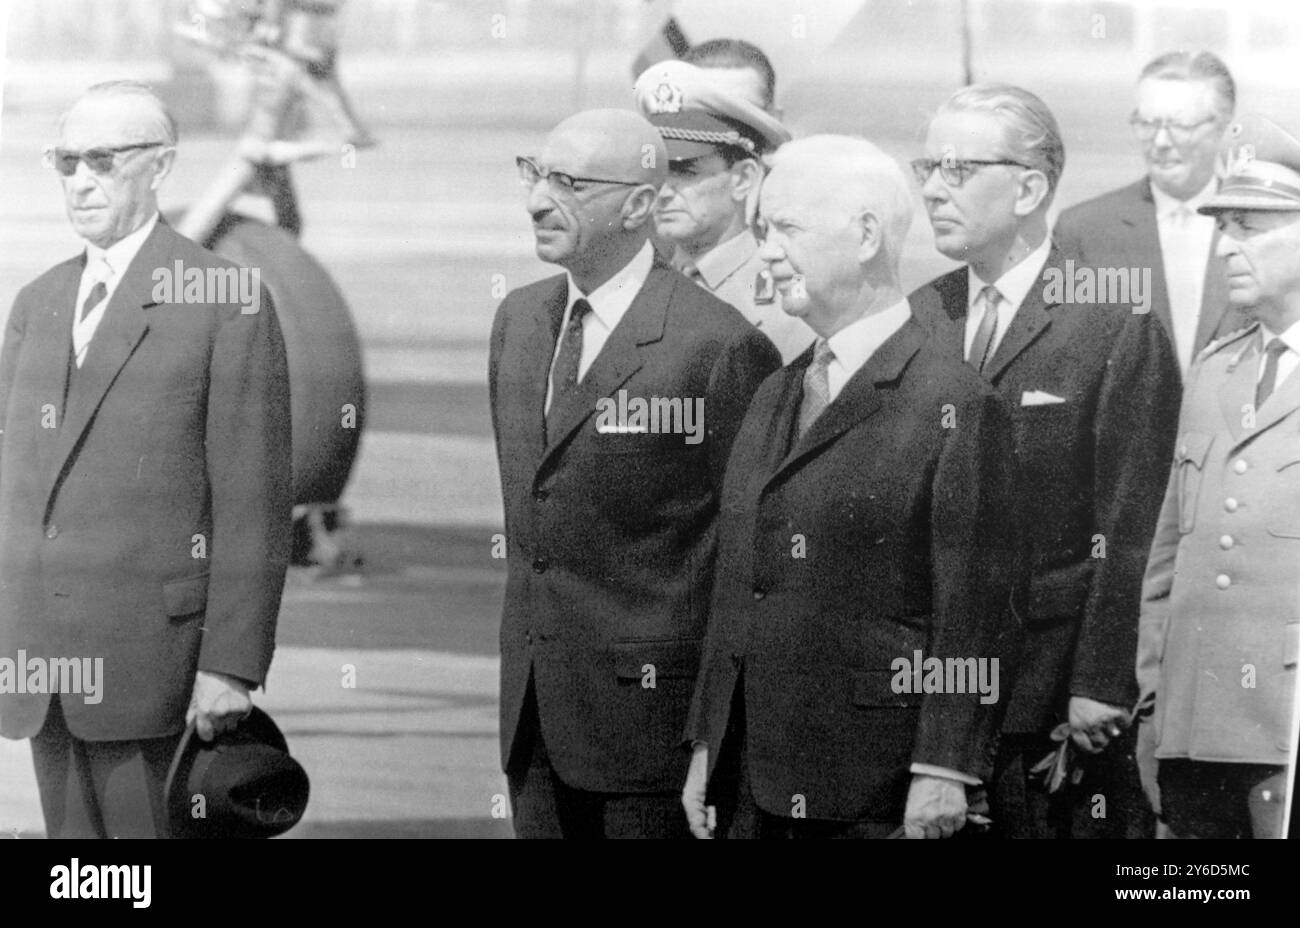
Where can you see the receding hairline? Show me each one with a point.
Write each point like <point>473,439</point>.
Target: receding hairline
<point>129,89</point>
<point>619,137</point>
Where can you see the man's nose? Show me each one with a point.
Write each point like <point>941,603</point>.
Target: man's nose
<point>770,250</point>
<point>934,188</point>
<point>539,199</point>
<point>1227,245</point>
<point>1163,137</point>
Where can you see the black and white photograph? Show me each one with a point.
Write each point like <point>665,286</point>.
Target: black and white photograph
<point>658,419</point>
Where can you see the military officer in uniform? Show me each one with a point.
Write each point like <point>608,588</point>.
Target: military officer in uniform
<point>716,140</point>
<point>1221,600</point>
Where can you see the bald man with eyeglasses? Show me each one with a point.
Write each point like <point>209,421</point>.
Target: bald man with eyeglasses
<point>145,487</point>
<point>610,517</point>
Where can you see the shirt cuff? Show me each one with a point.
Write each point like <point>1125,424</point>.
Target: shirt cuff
<point>930,770</point>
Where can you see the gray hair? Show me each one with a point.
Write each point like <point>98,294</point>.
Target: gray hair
<point>1195,66</point>
<point>128,88</point>
<point>1030,129</point>
<point>865,177</point>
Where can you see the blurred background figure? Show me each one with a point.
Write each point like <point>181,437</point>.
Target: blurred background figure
<point>1184,104</point>
<point>716,141</point>
<point>739,67</point>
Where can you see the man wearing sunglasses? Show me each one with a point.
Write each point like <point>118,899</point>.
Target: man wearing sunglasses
<point>716,142</point>
<point>145,486</point>
<point>1184,104</point>
<point>609,519</point>
<point>1094,393</point>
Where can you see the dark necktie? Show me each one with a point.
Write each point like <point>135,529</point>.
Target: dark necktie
<point>1268,382</point>
<point>564,378</point>
<point>979,348</point>
<point>93,299</point>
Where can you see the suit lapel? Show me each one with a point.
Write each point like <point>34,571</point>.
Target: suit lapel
<point>1281,403</point>
<point>860,399</point>
<point>1028,323</point>
<point>55,344</point>
<point>1237,392</point>
<point>950,325</point>
<point>619,358</point>
<point>120,330</point>
<point>1215,310</point>
<point>535,359</point>
<point>1142,217</point>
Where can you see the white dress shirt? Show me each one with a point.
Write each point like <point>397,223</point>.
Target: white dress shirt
<point>106,265</point>
<point>854,344</point>
<point>1013,286</point>
<point>1185,238</point>
<point>609,303</point>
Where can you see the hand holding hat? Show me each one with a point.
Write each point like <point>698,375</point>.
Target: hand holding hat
<point>218,704</point>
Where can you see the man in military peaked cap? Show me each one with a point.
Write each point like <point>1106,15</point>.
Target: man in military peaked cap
<point>716,140</point>
<point>1221,601</point>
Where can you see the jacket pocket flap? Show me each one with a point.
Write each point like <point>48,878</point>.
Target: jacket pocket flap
<point>875,688</point>
<point>671,658</point>
<point>1192,448</point>
<point>183,597</point>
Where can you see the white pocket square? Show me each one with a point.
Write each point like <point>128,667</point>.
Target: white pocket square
<point>1039,398</point>
<point>605,428</point>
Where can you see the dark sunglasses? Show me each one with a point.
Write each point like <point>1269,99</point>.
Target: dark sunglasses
<point>99,160</point>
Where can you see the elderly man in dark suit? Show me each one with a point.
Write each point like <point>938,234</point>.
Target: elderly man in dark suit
<point>1184,104</point>
<point>867,535</point>
<point>1094,392</point>
<point>145,483</point>
<point>616,389</point>
<point>1220,626</point>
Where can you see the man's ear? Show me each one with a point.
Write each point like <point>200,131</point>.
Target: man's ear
<point>639,207</point>
<point>873,236</point>
<point>1031,192</point>
<point>162,167</point>
<point>746,175</point>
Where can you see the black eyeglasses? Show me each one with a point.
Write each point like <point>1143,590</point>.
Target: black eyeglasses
<point>99,160</point>
<point>955,171</point>
<point>1147,129</point>
<point>530,172</point>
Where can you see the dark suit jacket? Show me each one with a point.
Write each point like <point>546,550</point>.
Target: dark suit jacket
<point>1118,229</point>
<point>177,425</point>
<point>1093,465</point>
<point>900,492</point>
<point>610,537</point>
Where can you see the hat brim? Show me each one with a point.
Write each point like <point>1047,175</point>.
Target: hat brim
<point>682,150</point>
<point>1221,203</point>
<point>257,724</point>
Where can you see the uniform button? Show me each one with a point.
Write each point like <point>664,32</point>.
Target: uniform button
<point>759,594</point>
<point>1223,581</point>
<point>539,565</point>
<point>1230,504</point>
<point>1240,467</point>
<point>52,531</point>
<point>1225,542</point>
<point>1182,451</point>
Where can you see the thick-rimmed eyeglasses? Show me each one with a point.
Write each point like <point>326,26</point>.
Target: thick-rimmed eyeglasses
<point>955,171</point>
<point>1147,129</point>
<point>99,160</point>
<point>530,172</point>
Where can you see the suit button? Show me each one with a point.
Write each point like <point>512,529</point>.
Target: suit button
<point>539,565</point>
<point>1226,542</point>
<point>1223,581</point>
<point>52,532</point>
<point>528,637</point>
<point>759,594</point>
<point>1230,504</point>
<point>541,495</point>
<point>1239,467</point>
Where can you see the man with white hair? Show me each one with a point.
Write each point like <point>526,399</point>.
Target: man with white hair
<point>865,526</point>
